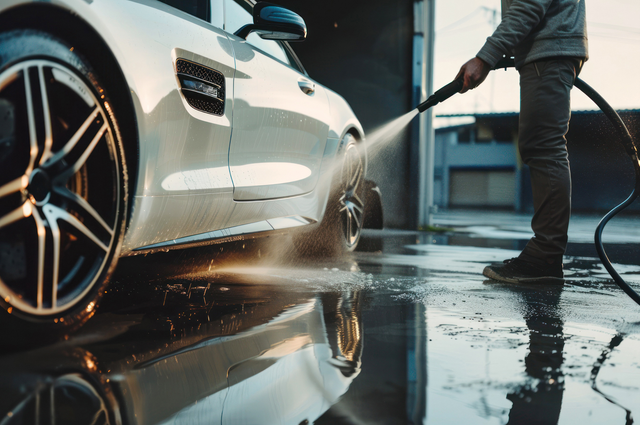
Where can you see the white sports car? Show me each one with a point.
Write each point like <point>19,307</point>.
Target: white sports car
<point>131,126</point>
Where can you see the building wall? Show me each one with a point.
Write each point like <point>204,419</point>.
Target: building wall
<point>602,174</point>
<point>363,51</point>
<point>471,173</point>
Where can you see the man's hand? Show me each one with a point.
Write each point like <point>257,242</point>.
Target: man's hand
<point>475,72</point>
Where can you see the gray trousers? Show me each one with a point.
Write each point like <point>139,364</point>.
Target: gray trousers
<point>545,110</point>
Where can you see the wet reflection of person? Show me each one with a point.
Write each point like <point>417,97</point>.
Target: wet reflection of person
<point>539,402</point>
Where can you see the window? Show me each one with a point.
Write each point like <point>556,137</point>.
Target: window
<point>238,13</point>
<point>197,8</point>
<point>465,134</point>
<point>217,13</point>
<point>293,59</point>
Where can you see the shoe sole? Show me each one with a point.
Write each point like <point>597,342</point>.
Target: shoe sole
<point>488,272</point>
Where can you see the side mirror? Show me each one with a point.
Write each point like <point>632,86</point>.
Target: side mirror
<point>273,22</point>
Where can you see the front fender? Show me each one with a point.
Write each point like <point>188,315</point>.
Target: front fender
<point>343,121</point>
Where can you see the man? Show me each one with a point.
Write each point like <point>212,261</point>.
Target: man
<point>548,39</point>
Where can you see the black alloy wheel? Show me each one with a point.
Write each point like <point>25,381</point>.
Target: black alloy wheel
<point>62,183</point>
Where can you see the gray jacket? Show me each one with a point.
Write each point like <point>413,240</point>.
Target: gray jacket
<point>537,29</point>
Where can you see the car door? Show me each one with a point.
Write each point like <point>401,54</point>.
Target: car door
<point>182,60</point>
<point>280,117</point>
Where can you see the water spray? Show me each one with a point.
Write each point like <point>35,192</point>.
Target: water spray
<point>624,137</point>
<point>389,131</point>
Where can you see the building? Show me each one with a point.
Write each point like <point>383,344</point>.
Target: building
<point>478,166</point>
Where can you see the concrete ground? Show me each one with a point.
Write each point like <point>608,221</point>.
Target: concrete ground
<point>406,330</point>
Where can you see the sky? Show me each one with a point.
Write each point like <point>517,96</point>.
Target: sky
<point>613,26</point>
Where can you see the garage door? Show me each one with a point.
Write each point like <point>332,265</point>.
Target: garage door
<point>482,188</point>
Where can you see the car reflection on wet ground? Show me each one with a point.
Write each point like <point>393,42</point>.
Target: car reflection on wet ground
<point>405,331</point>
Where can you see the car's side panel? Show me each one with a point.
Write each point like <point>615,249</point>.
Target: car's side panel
<point>279,132</point>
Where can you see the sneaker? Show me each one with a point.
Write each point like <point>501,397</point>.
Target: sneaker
<point>517,270</point>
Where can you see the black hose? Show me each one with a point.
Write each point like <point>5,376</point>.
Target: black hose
<point>632,151</point>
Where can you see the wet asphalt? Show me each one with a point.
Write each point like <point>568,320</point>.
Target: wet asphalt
<point>406,330</point>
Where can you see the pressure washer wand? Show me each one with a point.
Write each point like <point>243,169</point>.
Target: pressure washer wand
<point>441,95</point>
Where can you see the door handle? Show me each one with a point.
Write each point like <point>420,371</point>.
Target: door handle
<point>307,87</point>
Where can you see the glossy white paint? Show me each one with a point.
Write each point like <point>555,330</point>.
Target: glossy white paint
<point>288,222</point>
<point>182,186</point>
<point>274,122</point>
<point>258,174</point>
<point>201,180</point>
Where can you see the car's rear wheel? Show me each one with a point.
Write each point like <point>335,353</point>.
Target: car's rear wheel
<point>341,227</point>
<point>62,183</point>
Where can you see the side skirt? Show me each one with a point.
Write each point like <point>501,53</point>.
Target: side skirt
<point>231,234</point>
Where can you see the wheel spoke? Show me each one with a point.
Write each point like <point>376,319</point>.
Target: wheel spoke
<point>52,217</point>
<point>14,186</point>
<point>83,207</point>
<point>354,214</point>
<point>359,204</point>
<point>68,147</point>
<point>42,234</point>
<point>63,177</point>
<point>33,140</point>
<point>355,182</point>
<point>54,212</point>
<point>18,214</point>
<point>48,139</point>
<point>348,232</point>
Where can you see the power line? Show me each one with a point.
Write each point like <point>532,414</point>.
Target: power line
<point>615,27</point>
<point>627,39</point>
<point>459,21</point>
<point>468,28</point>
<point>492,19</point>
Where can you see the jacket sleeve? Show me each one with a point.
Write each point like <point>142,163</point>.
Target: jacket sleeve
<point>521,18</point>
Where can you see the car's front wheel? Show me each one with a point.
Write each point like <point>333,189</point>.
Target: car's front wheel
<point>340,229</point>
<point>62,183</point>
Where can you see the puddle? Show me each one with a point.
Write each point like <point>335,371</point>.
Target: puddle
<point>408,332</point>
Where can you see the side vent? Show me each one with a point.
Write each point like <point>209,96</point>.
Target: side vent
<point>203,87</point>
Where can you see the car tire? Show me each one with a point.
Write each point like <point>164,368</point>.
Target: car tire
<point>340,229</point>
<point>63,184</point>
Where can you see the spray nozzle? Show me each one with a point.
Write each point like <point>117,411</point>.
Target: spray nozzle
<point>441,95</point>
